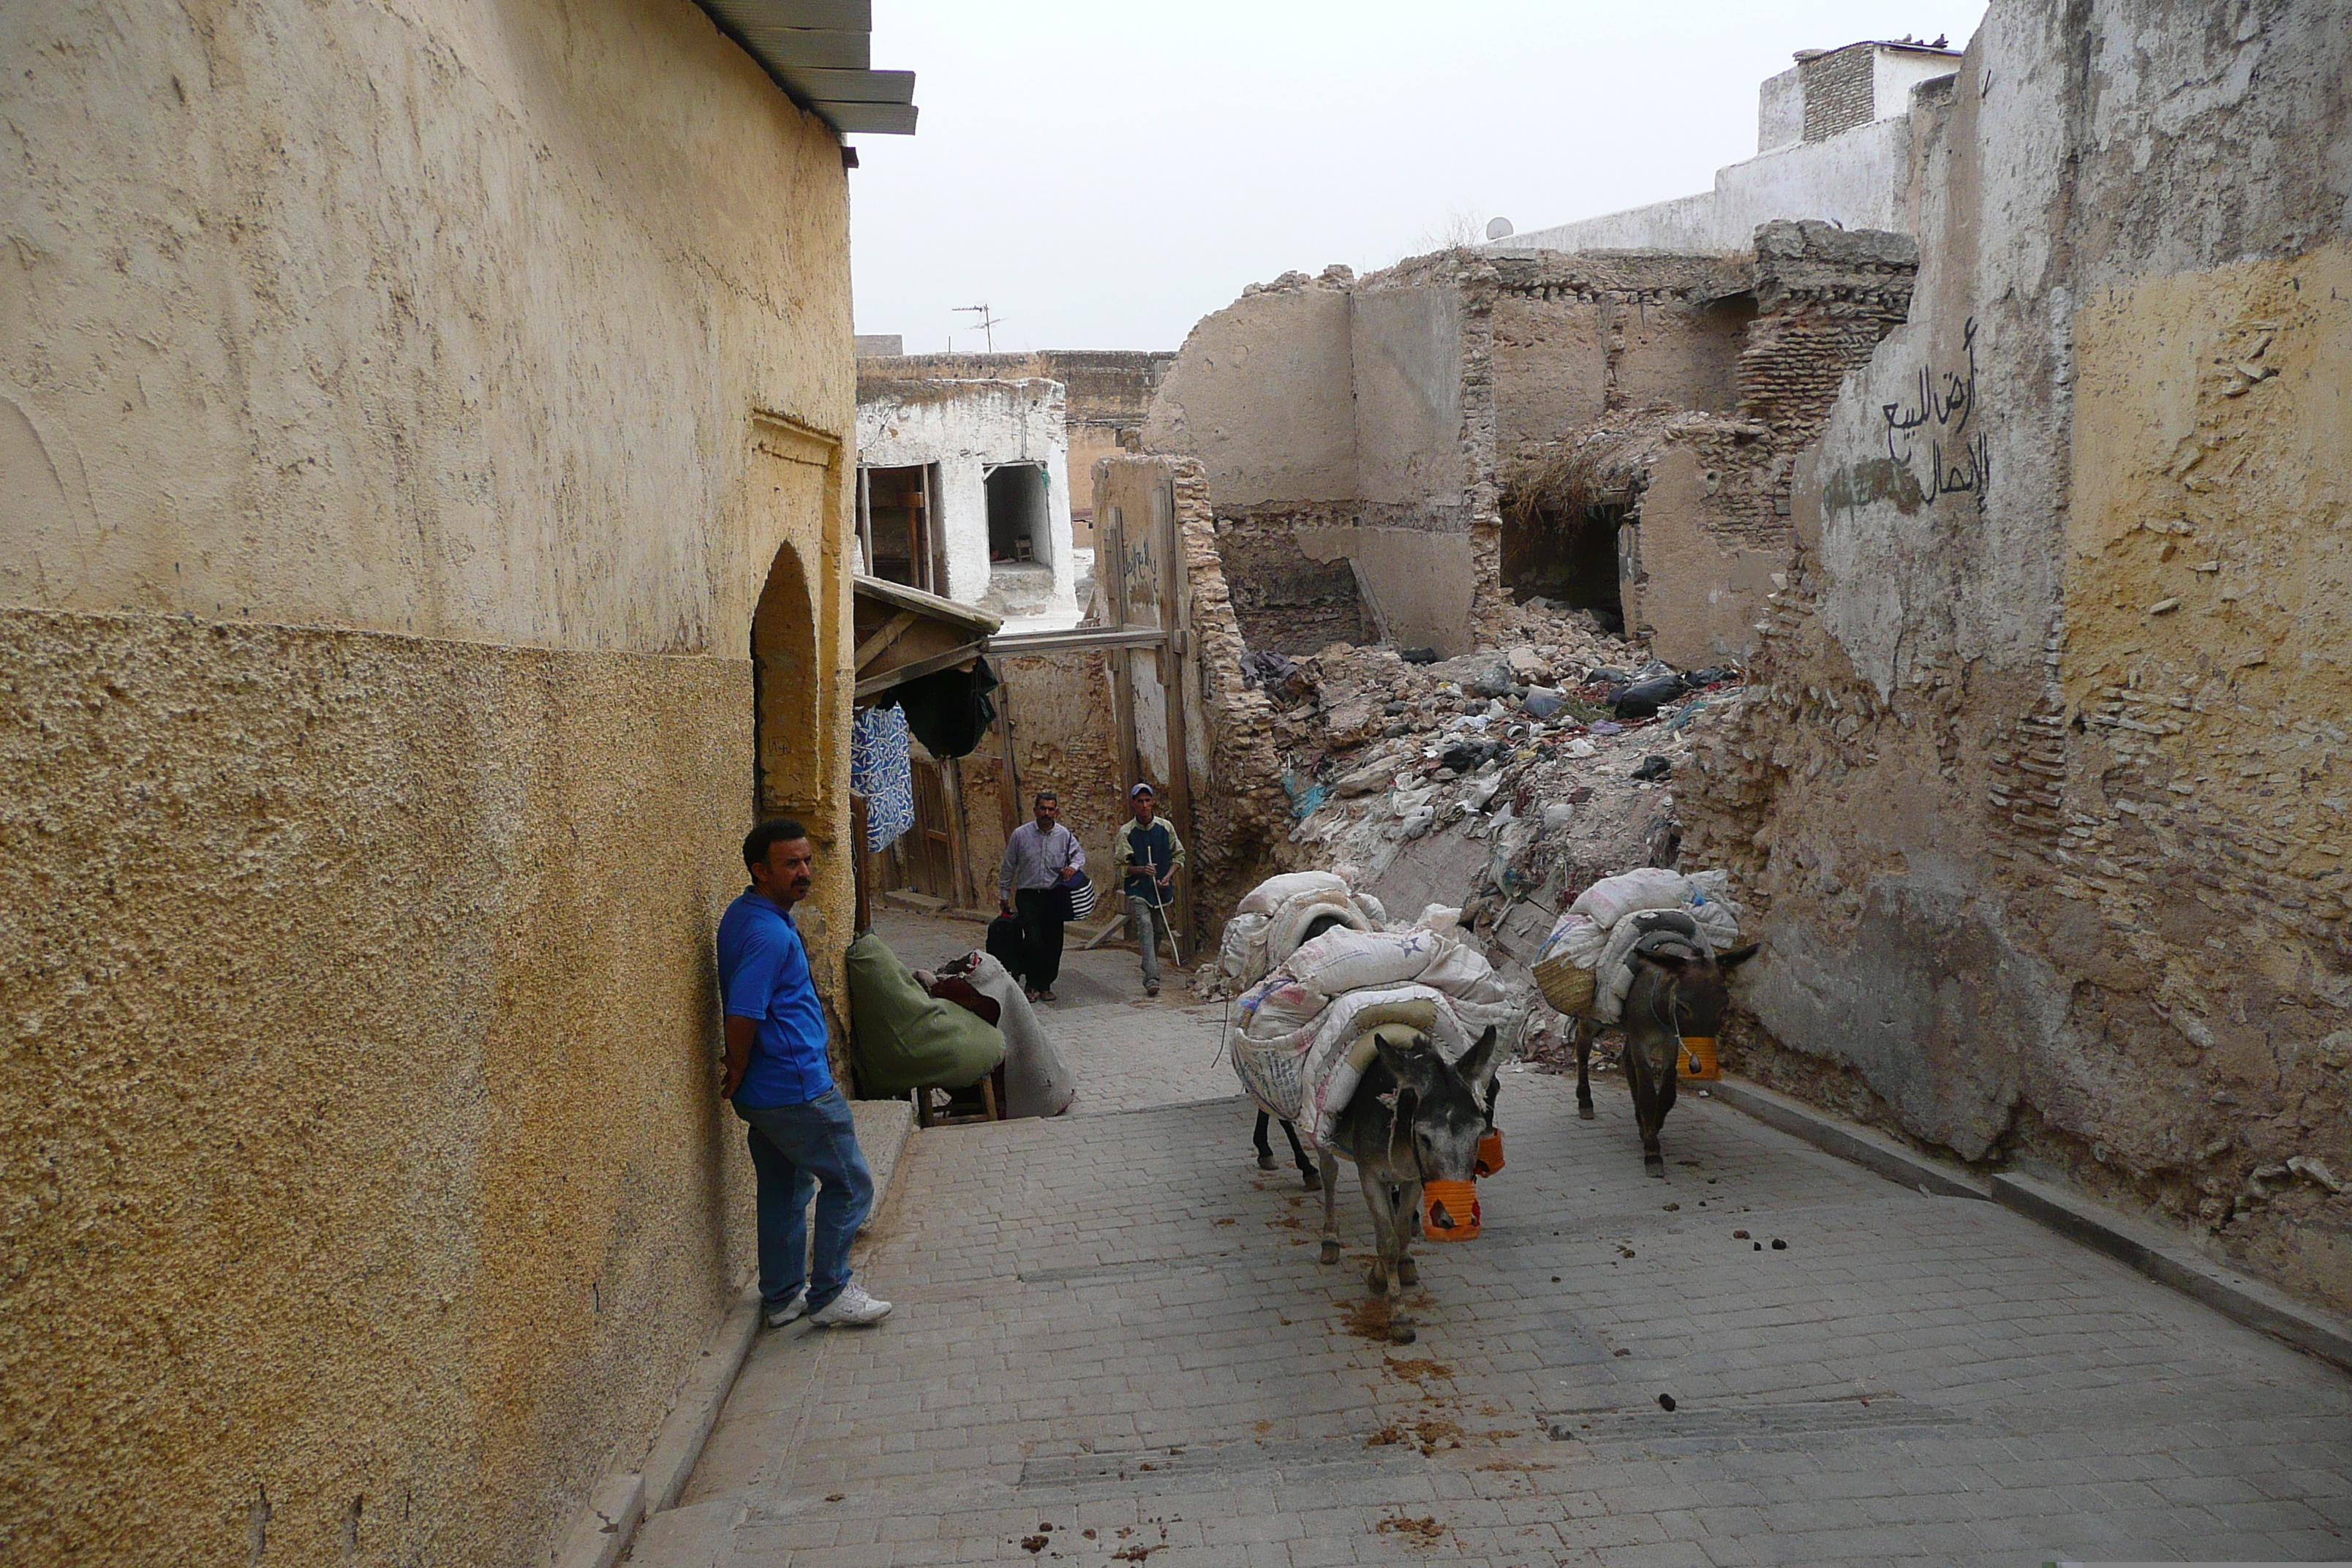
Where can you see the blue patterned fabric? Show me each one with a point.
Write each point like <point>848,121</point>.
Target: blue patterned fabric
<point>881,770</point>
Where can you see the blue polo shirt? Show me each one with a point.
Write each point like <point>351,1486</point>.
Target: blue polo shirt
<point>763,974</point>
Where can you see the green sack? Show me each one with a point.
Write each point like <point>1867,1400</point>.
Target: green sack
<point>902,1038</point>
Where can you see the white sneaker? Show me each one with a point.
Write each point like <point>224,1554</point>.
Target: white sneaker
<point>791,1312</point>
<point>852,1309</point>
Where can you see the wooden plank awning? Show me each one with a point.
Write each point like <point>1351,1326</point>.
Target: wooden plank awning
<point>904,634</point>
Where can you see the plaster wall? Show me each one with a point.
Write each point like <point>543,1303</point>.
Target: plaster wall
<point>1262,395</point>
<point>1894,73</point>
<point>1419,583</point>
<point>1551,369</point>
<point>1698,592</point>
<point>2040,796</point>
<point>1781,111</point>
<point>387,512</point>
<point>1857,179</point>
<point>1408,394</point>
<point>968,428</point>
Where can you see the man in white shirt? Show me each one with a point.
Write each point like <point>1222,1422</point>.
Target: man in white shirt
<point>1037,858</point>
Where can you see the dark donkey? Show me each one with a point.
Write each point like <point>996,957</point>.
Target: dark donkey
<point>1298,1155</point>
<point>1412,1129</point>
<point>1678,991</point>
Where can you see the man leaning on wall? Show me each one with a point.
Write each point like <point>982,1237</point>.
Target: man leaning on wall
<point>804,1138</point>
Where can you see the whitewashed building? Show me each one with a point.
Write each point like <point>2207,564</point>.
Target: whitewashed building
<point>963,491</point>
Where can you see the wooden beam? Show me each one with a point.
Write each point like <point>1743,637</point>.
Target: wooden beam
<point>892,630</point>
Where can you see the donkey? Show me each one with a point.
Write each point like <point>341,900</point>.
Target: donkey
<point>1413,1131</point>
<point>1298,1155</point>
<point>1678,991</point>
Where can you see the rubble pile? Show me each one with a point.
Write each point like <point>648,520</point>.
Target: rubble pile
<point>1505,782</point>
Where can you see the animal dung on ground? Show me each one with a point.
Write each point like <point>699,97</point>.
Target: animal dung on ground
<point>1739,1235</point>
<point>1032,1544</point>
<point>1672,1207</point>
<point>1665,1402</point>
<point>1555,1279</point>
<point>835,1497</point>
<point>1780,1245</point>
<point>1383,1437</point>
<point>1756,1245</point>
<point>1421,1531</point>
<point>1621,1352</point>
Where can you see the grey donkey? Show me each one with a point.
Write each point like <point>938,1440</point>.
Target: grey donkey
<point>1678,990</point>
<point>1414,1120</point>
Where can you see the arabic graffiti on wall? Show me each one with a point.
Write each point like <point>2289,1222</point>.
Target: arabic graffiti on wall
<point>1941,416</point>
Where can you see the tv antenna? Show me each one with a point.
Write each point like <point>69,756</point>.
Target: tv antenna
<point>987,323</point>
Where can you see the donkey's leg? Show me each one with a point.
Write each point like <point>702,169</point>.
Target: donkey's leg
<point>1404,1199</point>
<point>1408,1216</point>
<point>1265,1149</point>
<point>1382,1210</point>
<point>1582,1031</point>
<point>1298,1157</point>
<point>1649,1114</point>
<point>1330,1171</point>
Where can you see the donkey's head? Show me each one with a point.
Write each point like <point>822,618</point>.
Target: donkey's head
<point>1679,988</point>
<point>1443,1109</point>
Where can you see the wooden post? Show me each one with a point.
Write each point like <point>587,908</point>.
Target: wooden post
<point>861,918</point>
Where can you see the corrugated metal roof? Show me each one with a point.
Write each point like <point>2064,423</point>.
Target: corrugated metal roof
<point>819,51</point>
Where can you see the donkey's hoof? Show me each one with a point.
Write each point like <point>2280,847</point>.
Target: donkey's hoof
<point>1331,1252</point>
<point>1376,1281</point>
<point>1314,1183</point>
<point>1402,1333</point>
<point>1654,1164</point>
<point>1408,1271</point>
<point>1584,1112</point>
<point>1265,1161</point>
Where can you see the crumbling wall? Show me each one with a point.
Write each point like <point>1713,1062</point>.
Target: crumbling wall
<point>968,428</point>
<point>1106,393</point>
<point>2040,798</point>
<point>1240,817</point>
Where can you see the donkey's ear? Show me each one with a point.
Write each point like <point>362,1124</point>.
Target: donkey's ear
<point>1479,1063</point>
<point>1664,957</point>
<point>1414,1064</point>
<point>1728,961</point>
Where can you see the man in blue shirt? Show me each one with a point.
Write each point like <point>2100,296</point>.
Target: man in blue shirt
<point>803,1139</point>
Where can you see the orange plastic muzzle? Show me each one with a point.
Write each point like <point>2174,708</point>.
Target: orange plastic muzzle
<point>1699,1058</point>
<point>1490,1153</point>
<point>1449,1211</point>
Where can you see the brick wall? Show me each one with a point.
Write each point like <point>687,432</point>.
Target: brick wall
<point>1840,91</point>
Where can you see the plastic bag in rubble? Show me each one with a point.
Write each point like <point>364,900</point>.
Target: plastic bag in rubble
<point>1443,919</point>
<point>1270,894</point>
<point>1343,961</point>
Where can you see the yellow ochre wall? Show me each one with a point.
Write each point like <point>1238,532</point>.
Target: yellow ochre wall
<point>401,405</point>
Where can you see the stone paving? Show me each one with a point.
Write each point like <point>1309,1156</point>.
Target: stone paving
<point>1113,1342</point>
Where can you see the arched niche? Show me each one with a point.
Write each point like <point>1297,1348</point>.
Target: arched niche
<point>795,637</point>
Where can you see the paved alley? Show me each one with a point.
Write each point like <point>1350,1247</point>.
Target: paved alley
<point>1113,1343</point>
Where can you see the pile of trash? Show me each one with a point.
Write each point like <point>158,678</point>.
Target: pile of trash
<point>1321,972</point>
<point>1561,774</point>
<point>1585,966</point>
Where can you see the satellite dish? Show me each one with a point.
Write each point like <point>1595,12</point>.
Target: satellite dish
<point>1498,228</point>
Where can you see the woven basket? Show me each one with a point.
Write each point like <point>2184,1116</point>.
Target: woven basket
<point>1566,986</point>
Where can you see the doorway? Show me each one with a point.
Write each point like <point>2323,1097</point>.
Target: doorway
<point>897,526</point>
<point>1567,554</point>
<point>1016,514</point>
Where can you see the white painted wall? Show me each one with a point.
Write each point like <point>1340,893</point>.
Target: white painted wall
<point>966,427</point>
<point>1859,179</point>
<point>1895,72</point>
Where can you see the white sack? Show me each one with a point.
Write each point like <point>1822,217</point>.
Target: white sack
<point>1269,895</point>
<point>1611,899</point>
<point>1342,960</point>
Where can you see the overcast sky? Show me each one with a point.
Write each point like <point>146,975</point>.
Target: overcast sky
<point>1105,174</point>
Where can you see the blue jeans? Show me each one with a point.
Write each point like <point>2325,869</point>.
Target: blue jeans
<point>798,1150</point>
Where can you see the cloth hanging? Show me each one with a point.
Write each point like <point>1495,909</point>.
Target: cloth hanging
<point>882,769</point>
<point>949,711</point>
